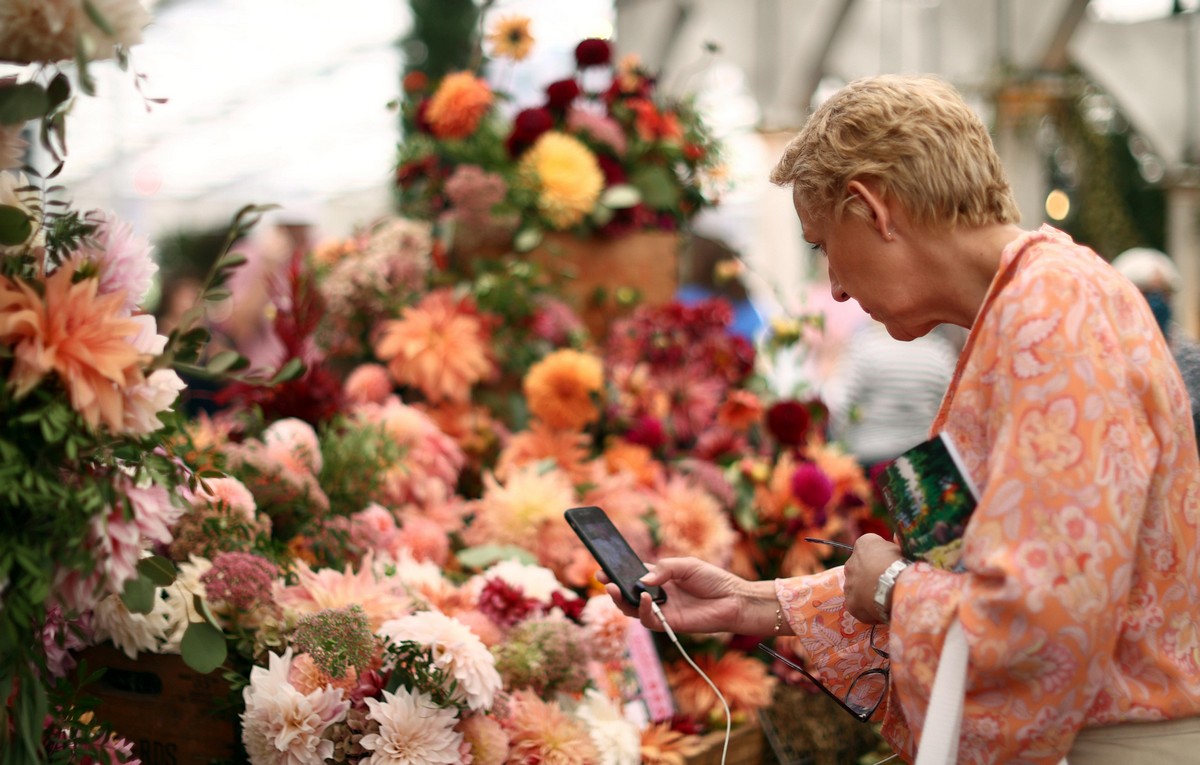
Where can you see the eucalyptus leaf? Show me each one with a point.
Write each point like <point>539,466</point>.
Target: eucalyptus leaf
<point>289,371</point>
<point>15,225</point>
<point>158,570</point>
<point>657,185</point>
<point>201,606</point>
<point>485,555</point>
<point>621,196</point>
<point>223,362</point>
<point>138,595</point>
<point>22,102</point>
<point>527,239</point>
<point>203,647</point>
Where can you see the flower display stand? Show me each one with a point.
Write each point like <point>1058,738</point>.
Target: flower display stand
<point>169,711</point>
<point>599,276</point>
<point>745,747</point>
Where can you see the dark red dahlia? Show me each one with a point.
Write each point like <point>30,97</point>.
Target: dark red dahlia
<point>593,52</point>
<point>528,126</point>
<point>560,94</point>
<point>788,421</point>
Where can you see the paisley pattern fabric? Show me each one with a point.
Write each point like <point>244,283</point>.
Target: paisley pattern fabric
<point>1081,595</point>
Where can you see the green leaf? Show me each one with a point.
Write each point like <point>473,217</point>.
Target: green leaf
<point>289,371</point>
<point>58,91</point>
<point>23,102</point>
<point>139,595</point>
<point>217,295</point>
<point>223,362</point>
<point>15,225</point>
<point>527,239</point>
<point>621,197</point>
<point>202,608</point>
<point>485,555</point>
<point>158,569</point>
<point>203,647</point>
<point>658,186</point>
<point>232,260</point>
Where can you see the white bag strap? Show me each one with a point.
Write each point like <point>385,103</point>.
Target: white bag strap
<point>943,719</point>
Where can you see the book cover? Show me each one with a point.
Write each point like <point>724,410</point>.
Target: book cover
<point>930,497</point>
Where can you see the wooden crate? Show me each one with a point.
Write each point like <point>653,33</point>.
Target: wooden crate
<point>745,747</point>
<point>168,710</point>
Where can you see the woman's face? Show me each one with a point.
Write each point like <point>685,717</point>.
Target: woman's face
<point>865,266</point>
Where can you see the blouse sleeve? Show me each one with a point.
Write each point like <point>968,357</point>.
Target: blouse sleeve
<point>1049,552</point>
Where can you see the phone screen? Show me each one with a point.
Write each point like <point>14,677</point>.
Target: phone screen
<point>612,552</point>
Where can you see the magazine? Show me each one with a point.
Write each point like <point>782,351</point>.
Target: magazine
<point>930,497</point>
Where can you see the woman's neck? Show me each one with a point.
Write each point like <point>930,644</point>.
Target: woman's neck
<point>970,258</point>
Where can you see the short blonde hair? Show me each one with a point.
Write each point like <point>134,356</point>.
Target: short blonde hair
<point>915,136</point>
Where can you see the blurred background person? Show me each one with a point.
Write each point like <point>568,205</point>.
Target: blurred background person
<point>1155,274</point>
<point>712,269</point>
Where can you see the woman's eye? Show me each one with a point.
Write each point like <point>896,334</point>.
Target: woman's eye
<point>816,247</point>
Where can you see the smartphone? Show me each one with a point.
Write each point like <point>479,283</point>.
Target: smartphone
<point>618,560</point>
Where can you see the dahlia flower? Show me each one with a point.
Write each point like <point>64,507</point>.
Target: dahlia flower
<point>76,333</point>
<point>566,176</point>
<point>293,443</point>
<point>605,627</point>
<point>132,633</point>
<point>691,522</point>
<point>460,102</point>
<point>746,683</point>
<point>618,740</point>
<point>61,638</point>
<point>512,513</point>
<point>540,731</point>
<point>663,745</point>
<point>123,259</point>
<point>455,648</point>
<point>429,471</point>
<point>510,38</point>
<point>534,582</point>
<point>424,538</point>
<point>282,726</point>
<point>567,448</point>
<point>440,346</point>
<point>51,30</point>
<point>328,588</point>
<point>599,128</point>
<point>412,731</point>
<point>487,739</point>
<point>368,384</point>
<point>560,389</point>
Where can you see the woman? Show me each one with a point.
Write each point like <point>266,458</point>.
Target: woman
<point>1080,598</point>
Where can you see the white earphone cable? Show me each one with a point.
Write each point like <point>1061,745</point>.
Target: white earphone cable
<point>728,717</point>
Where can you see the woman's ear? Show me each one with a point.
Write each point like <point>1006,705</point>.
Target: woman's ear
<point>872,199</point>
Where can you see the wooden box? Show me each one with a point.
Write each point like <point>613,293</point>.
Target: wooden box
<point>745,747</point>
<point>170,712</point>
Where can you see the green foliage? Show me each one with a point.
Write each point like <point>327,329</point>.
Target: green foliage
<point>414,667</point>
<point>354,456</point>
<point>337,639</point>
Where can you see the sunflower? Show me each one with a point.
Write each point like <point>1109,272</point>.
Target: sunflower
<point>566,175</point>
<point>510,38</point>
<point>559,389</point>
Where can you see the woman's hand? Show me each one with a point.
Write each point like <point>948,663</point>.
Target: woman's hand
<point>704,598</point>
<point>872,555</point>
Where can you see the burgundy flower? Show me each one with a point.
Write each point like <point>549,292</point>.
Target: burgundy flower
<point>593,52</point>
<point>614,174</point>
<point>559,95</point>
<point>505,604</point>
<point>572,608</point>
<point>648,432</point>
<point>788,421</point>
<point>812,486</point>
<point>528,126</point>
<point>419,118</point>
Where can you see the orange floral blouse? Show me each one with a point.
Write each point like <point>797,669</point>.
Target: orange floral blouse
<point>1081,595</point>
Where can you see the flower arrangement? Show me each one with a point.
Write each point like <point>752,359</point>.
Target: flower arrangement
<point>604,152</point>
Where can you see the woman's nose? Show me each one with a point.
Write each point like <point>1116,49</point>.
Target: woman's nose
<point>835,289</point>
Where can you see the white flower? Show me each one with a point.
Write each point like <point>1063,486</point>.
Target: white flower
<point>48,30</point>
<point>535,582</point>
<point>293,443</point>
<point>282,726</point>
<point>412,731</point>
<point>132,632</point>
<point>455,648</point>
<point>618,740</point>
<point>124,260</point>
<point>413,574</point>
<point>145,401</point>
<point>178,603</point>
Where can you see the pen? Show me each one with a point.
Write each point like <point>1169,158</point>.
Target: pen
<point>830,542</point>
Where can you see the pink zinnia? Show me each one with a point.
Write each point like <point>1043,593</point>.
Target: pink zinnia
<point>124,259</point>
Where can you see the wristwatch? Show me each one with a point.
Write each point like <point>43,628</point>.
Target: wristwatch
<point>883,589</point>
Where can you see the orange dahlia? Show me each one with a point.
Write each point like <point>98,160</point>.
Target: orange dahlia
<point>510,38</point>
<point>568,448</point>
<point>745,681</point>
<point>566,175</point>
<point>77,334</point>
<point>560,387</point>
<point>540,731</point>
<point>663,745</point>
<point>439,346</point>
<point>459,104</point>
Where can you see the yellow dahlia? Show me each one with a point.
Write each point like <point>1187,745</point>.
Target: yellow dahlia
<point>510,38</point>
<point>439,345</point>
<point>566,175</point>
<point>459,104</point>
<point>560,387</point>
